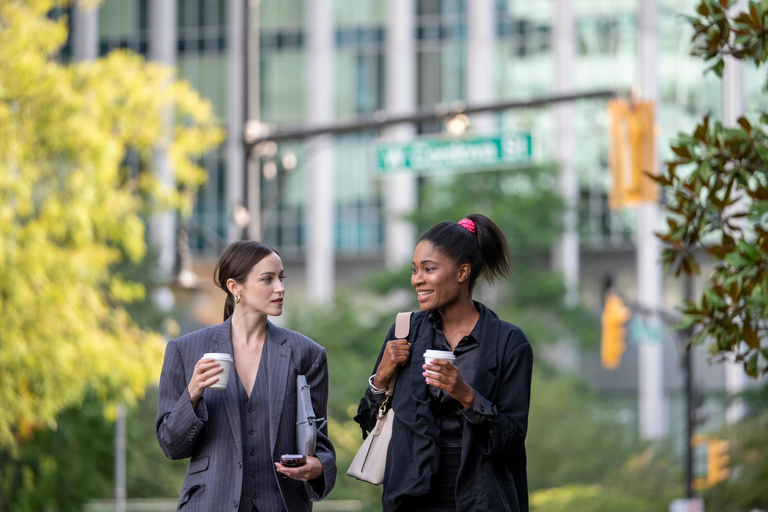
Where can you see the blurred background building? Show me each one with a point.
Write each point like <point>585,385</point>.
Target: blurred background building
<point>322,202</point>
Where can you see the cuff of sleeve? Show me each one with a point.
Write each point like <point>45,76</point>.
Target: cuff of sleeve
<point>375,399</point>
<point>201,411</point>
<point>481,411</point>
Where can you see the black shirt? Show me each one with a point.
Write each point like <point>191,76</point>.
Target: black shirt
<point>446,408</point>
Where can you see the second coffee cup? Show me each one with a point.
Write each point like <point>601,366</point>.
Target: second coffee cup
<point>225,360</point>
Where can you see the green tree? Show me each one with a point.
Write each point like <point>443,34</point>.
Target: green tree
<point>70,210</point>
<point>717,187</point>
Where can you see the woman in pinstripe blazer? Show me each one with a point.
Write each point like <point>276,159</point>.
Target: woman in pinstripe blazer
<point>234,437</point>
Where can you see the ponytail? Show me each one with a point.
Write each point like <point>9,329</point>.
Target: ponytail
<point>493,246</point>
<point>475,240</point>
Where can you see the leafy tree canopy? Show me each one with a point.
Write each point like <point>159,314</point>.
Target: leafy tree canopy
<point>71,209</point>
<point>717,189</point>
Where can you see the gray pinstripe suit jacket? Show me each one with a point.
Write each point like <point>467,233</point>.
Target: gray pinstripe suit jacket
<point>210,435</point>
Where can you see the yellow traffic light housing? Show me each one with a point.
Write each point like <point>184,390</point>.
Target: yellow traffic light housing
<point>718,459</point>
<point>612,343</point>
<point>632,152</point>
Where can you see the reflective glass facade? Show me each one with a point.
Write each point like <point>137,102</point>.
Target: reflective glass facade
<point>524,67</point>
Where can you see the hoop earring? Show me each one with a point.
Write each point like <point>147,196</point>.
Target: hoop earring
<point>237,300</point>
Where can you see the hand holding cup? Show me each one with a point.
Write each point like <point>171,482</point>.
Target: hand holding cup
<point>440,372</point>
<point>208,373</point>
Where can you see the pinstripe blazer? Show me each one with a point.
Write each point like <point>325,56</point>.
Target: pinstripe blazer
<point>210,434</point>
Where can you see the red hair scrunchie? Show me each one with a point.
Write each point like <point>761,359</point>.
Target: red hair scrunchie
<point>468,224</point>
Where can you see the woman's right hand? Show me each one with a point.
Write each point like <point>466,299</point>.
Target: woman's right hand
<point>396,352</point>
<point>203,376</point>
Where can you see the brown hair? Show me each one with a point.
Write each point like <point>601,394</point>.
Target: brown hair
<point>236,263</point>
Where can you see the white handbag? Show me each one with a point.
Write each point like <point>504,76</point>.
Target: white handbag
<point>371,459</point>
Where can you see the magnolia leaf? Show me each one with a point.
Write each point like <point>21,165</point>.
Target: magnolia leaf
<point>745,124</point>
<point>750,366</point>
<point>750,337</point>
<point>682,152</point>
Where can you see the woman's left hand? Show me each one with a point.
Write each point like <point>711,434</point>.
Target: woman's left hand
<point>447,377</point>
<point>309,471</point>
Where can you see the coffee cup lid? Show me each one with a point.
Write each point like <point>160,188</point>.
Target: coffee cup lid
<point>439,354</point>
<point>219,356</point>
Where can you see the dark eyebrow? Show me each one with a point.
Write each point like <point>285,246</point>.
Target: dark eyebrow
<point>423,262</point>
<point>267,274</point>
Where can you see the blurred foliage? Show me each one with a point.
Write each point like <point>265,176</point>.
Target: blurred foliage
<point>584,498</point>
<point>717,189</point>
<point>71,209</point>
<point>59,468</point>
<point>745,490</point>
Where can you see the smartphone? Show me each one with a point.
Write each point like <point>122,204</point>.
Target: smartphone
<point>293,461</point>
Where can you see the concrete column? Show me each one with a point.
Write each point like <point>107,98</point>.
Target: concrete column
<point>162,49</point>
<point>400,189</point>
<point>733,108</point>
<point>566,252</point>
<point>235,115</point>
<point>481,61</point>
<point>85,32</point>
<point>253,94</point>
<point>649,268</point>
<point>320,102</point>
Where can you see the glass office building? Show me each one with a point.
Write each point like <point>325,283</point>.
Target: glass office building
<point>523,62</point>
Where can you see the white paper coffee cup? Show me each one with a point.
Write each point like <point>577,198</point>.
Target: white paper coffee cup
<point>445,355</point>
<point>225,360</point>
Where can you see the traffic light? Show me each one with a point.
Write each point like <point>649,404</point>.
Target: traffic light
<point>632,151</point>
<point>612,345</point>
<point>717,461</point>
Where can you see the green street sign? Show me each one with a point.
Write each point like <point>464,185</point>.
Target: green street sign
<point>426,156</point>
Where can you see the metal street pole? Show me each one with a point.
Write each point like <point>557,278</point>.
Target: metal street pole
<point>120,491</point>
<point>689,423</point>
<point>440,112</point>
<point>253,105</point>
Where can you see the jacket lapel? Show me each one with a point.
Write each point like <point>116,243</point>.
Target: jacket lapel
<point>485,371</point>
<point>421,343</point>
<point>223,339</point>
<point>278,367</point>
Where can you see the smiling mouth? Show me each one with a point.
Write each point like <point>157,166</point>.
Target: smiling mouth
<point>424,295</point>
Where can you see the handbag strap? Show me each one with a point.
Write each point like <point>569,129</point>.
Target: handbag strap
<point>402,329</point>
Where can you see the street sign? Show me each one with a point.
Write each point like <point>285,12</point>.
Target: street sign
<point>428,156</point>
<point>645,330</point>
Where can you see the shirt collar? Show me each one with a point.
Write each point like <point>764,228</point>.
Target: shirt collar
<point>477,332</point>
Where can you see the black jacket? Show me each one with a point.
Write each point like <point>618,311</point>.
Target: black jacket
<point>492,475</point>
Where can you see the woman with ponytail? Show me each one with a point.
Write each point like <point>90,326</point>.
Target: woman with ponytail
<point>458,438</point>
<point>235,437</point>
